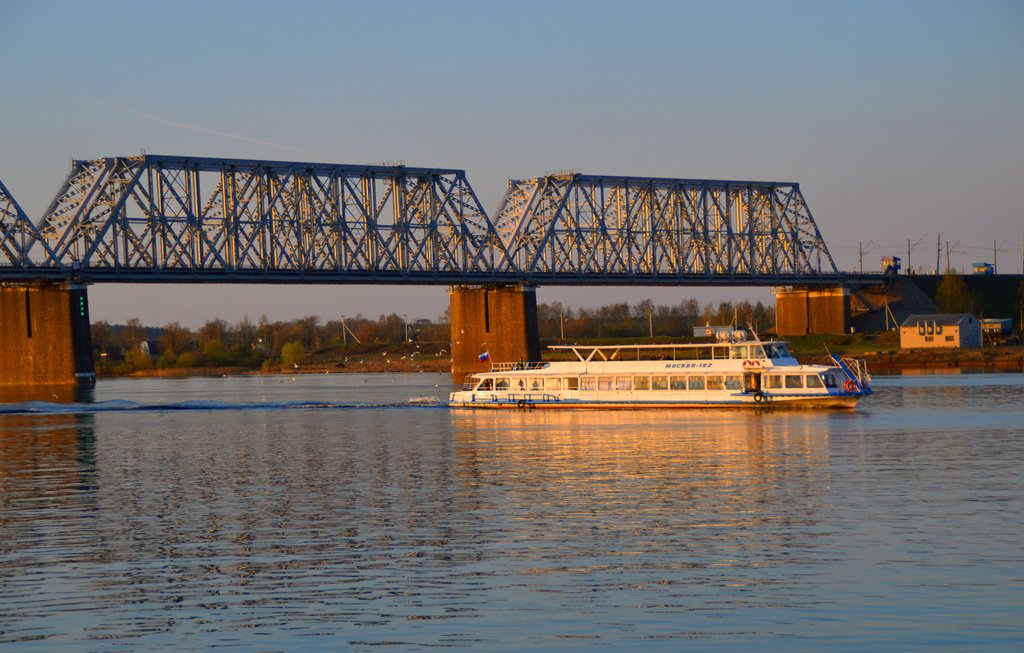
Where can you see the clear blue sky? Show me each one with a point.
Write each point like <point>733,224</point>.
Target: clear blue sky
<point>900,120</point>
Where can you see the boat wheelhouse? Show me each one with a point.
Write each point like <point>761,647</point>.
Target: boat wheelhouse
<point>734,372</point>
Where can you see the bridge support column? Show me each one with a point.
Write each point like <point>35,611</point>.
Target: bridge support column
<point>498,320</point>
<point>44,335</point>
<point>804,311</point>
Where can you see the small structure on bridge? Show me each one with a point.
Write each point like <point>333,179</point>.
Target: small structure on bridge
<point>940,331</point>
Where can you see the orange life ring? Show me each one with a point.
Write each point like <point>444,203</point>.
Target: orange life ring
<point>850,386</point>
<point>751,363</point>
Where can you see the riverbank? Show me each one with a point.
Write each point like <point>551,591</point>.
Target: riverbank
<point>996,359</point>
<point>881,352</point>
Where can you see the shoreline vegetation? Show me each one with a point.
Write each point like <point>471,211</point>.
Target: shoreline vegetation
<point>394,343</point>
<point>884,358</point>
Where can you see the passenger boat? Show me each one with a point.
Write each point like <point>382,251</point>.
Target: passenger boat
<point>735,371</point>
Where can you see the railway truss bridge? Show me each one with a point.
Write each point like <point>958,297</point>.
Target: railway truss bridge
<point>173,219</point>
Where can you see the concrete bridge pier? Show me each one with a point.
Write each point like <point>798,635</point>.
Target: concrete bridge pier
<point>44,335</point>
<point>500,321</point>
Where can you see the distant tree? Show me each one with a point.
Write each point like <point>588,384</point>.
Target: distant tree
<point>213,352</point>
<point>952,295</point>
<point>103,336</point>
<point>391,328</point>
<point>293,354</point>
<point>136,359</point>
<point>643,315</point>
<point>174,339</point>
<point>244,334</point>
<point>133,333</point>
<point>215,329</point>
<point>762,317</point>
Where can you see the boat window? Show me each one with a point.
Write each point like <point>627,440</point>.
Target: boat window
<point>641,383</point>
<point>715,383</point>
<point>756,351</point>
<point>571,383</point>
<point>501,384</point>
<point>552,383</point>
<point>794,381</point>
<point>738,351</point>
<point>778,351</point>
<point>588,383</point>
<point>677,382</point>
<point>831,381</point>
<point>773,381</point>
<point>520,384</point>
<point>606,383</point>
<point>486,384</point>
<point>659,383</point>
<point>623,383</point>
<point>814,381</point>
<point>733,382</point>
<point>696,383</point>
<point>536,383</point>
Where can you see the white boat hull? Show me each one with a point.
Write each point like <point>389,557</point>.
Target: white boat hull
<point>767,402</point>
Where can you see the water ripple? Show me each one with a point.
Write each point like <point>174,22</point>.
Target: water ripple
<point>256,520</point>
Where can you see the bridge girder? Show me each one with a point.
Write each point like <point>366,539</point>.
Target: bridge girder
<point>575,224</point>
<point>157,218</point>
<point>186,214</point>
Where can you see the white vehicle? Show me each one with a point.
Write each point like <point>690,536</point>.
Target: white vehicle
<point>726,374</point>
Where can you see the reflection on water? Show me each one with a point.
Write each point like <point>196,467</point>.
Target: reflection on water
<point>61,393</point>
<point>408,526</point>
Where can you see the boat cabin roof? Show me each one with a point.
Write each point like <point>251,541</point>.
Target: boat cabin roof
<point>742,349</point>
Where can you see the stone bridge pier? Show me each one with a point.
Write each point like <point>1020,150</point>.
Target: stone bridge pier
<point>812,310</point>
<point>44,335</point>
<point>497,321</point>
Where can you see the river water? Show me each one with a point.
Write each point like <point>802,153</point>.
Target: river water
<point>357,513</point>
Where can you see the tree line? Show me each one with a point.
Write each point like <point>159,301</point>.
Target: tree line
<point>126,348</point>
<point>130,347</point>
<point>645,319</point>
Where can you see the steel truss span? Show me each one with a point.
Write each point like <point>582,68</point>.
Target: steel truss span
<point>186,219</point>
<point>211,219</point>
<point>573,224</point>
<point>17,233</point>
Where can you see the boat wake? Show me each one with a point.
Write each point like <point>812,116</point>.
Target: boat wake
<point>198,405</point>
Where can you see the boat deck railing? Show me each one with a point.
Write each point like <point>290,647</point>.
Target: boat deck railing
<point>857,368</point>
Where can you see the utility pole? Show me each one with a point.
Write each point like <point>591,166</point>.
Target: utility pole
<point>860,256</point>
<point>938,253</point>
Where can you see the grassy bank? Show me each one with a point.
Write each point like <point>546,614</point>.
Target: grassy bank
<point>883,353</point>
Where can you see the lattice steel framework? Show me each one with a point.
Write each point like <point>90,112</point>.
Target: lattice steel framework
<point>213,219</point>
<point>618,228</point>
<point>17,233</point>
<point>160,218</point>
